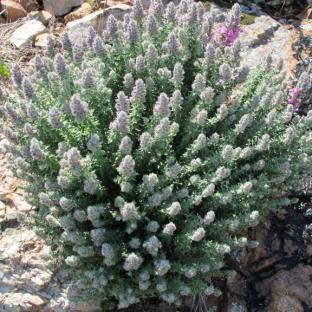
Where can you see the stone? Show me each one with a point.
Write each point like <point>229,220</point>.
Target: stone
<point>28,5</point>
<point>18,202</point>
<point>84,306</point>
<point>77,29</point>
<point>110,3</point>
<point>78,13</point>
<point>266,36</point>
<point>285,304</point>
<point>43,16</point>
<point>36,278</point>
<point>25,34</point>
<point>21,301</point>
<point>60,7</point>
<point>306,27</point>
<point>295,283</point>
<point>13,10</point>
<point>236,307</point>
<point>2,209</point>
<point>42,40</point>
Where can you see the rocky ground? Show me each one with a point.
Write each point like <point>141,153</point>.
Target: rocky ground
<point>275,277</point>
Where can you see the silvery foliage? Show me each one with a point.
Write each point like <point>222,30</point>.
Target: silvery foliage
<point>140,151</point>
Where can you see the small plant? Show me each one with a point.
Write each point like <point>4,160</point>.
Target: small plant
<point>247,19</point>
<point>4,69</point>
<point>146,150</point>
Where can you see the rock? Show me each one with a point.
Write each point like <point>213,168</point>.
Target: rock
<point>306,27</point>
<point>80,12</point>
<point>266,36</point>
<point>25,34</point>
<point>285,304</point>
<point>60,7</point>
<point>36,278</point>
<point>42,40</point>
<point>110,3</point>
<point>2,210</point>
<point>236,307</point>
<point>21,302</point>
<point>43,16</point>
<point>18,202</point>
<point>296,283</point>
<point>77,29</point>
<point>83,306</point>
<point>13,10</point>
<point>118,11</point>
<point>28,5</point>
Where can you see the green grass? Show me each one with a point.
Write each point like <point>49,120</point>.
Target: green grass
<point>4,69</point>
<point>247,19</point>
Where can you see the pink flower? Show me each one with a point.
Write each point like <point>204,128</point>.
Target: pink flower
<point>230,30</point>
<point>228,34</point>
<point>294,91</point>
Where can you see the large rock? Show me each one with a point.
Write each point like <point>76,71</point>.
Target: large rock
<point>77,28</point>
<point>25,34</point>
<point>60,7</point>
<point>13,10</point>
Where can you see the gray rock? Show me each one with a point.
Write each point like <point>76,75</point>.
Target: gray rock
<point>264,37</point>
<point>60,7</point>
<point>25,34</point>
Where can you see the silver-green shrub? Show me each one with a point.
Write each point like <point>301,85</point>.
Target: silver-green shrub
<point>147,149</point>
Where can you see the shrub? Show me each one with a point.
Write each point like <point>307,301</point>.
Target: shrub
<point>147,150</point>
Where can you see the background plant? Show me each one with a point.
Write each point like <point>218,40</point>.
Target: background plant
<point>147,150</point>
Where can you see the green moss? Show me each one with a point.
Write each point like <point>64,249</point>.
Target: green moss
<point>247,19</point>
<point>207,6</point>
<point>4,70</point>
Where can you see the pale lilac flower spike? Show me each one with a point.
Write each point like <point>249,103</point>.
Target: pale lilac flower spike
<point>137,10</point>
<point>133,32</point>
<point>65,41</point>
<point>50,48</point>
<point>17,75</point>
<point>98,46</point>
<point>78,108</point>
<point>111,26</point>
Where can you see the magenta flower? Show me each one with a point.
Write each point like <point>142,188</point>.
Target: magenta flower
<point>228,34</point>
<point>231,29</point>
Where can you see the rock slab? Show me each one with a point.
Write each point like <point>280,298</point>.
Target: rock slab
<point>60,7</point>
<point>25,34</point>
